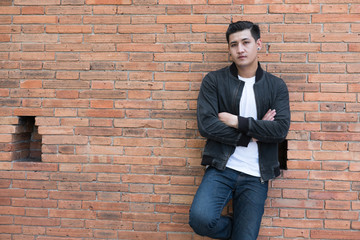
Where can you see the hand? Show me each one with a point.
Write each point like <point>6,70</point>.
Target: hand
<point>229,119</point>
<point>270,115</point>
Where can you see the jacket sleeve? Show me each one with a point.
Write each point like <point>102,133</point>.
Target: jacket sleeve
<point>272,131</point>
<point>209,124</point>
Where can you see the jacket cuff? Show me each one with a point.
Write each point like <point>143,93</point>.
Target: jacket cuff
<point>243,124</point>
<point>243,141</point>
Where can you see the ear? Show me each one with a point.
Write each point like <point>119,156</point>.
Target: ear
<point>259,44</point>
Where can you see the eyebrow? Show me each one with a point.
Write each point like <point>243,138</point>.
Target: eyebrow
<point>243,39</point>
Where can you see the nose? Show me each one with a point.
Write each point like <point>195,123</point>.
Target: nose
<point>240,48</point>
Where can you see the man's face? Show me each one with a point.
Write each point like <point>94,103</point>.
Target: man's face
<point>243,48</point>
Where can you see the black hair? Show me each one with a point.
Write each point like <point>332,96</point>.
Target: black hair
<point>243,25</point>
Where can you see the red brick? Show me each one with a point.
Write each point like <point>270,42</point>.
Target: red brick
<point>111,2</point>
<point>295,8</point>
<point>34,166</point>
<point>299,194</point>
<point>337,186</point>
<point>68,29</point>
<point>335,136</point>
<point>333,37</point>
<point>296,233</point>
<point>31,221</point>
<point>332,214</point>
<point>105,9</point>
<point>336,27</point>
<point>35,203</point>
<point>34,184</point>
<point>333,175</point>
<point>325,155</point>
<point>337,205</point>
<point>332,195</point>
<point>14,229</point>
<point>182,2</point>
<point>40,2</point>
<point>254,9</point>
<point>68,10</point>
<point>30,230</point>
<point>297,223</point>
<point>12,192</point>
<point>68,232</point>
<point>354,167</point>
<point>105,234</point>
<point>355,225</point>
<point>348,117</point>
<point>37,194</point>
<point>134,197</point>
<point>35,19</point>
<point>334,18</point>
<point>141,235</point>
<point>292,213</point>
<point>6,3</point>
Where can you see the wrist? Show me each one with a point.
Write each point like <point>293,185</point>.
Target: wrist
<point>243,124</point>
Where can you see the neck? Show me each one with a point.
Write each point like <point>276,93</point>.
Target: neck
<point>247,71</point>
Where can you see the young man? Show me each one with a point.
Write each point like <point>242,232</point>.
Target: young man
<point>243,111</point>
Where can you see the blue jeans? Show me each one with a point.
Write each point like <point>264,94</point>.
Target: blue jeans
<point>215,191</point>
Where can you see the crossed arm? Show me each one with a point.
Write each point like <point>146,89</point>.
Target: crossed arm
<point>231,120</point>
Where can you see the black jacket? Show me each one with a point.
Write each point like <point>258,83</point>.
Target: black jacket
<point>221,91</point>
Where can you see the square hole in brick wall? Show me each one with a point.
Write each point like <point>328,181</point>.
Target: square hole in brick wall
<point>283,149</point>
<point>27,141</point>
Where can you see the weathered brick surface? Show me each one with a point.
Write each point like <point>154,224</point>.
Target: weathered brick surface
<point>112,85</point>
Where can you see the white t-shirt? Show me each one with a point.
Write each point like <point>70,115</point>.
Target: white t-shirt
<point>246,159</point>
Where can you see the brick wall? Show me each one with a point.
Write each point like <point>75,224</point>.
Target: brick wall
<point>112,87</point>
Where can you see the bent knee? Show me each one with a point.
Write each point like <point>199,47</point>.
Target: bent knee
<point>202,224</point>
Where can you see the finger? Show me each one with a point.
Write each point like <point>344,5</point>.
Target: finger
<point>270,115</point>
<point>268,112</point>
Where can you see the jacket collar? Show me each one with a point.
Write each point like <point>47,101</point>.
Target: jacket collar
<point>258,74</point>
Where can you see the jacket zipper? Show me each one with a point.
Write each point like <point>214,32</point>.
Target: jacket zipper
<point>257,112</point>
<point>236,110</point>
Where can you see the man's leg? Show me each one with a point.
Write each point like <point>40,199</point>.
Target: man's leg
<point>213,194</point>
<point>248,205</point>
